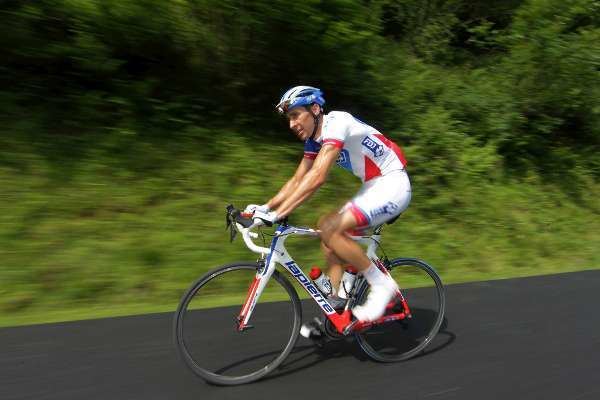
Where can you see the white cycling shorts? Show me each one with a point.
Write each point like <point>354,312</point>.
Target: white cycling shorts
<point>380,199</point>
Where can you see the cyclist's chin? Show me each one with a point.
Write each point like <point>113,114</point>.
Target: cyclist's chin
<point>302,135</point>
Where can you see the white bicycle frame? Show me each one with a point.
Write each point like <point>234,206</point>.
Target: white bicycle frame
<point>277,254</point>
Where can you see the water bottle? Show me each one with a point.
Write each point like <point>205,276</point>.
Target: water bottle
<point>321,280</point>
<point>347,282</point>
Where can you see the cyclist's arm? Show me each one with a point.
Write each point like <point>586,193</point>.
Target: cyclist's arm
<point>311,181</point>
<point>292,183</point>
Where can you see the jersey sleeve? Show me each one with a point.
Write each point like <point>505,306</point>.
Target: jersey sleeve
<point>335,129</point>
<point>311,149</point>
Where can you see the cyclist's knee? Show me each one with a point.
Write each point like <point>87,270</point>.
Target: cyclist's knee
<point>328,226</point>
<point>332,226</point>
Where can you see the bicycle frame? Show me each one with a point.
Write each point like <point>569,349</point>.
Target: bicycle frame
<point>277,254</point>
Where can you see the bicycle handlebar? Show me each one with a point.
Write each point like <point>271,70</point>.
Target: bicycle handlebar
<point>236,222</point>
<point>239,222</point>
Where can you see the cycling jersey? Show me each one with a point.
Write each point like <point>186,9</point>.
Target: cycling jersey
<point>364,151</point>
<point>375,159</point>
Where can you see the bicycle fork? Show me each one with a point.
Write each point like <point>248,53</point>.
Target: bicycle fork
<point>254,290</point>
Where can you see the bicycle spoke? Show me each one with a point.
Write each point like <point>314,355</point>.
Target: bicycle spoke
<point>210,340</point>
<point>404,338</point>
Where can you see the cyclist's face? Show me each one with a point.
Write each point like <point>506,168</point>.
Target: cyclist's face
<point>301,122</point>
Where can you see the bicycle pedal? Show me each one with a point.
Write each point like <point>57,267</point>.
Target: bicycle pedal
<point>313,330</point>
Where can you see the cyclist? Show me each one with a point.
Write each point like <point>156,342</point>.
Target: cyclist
<point>338,137</point>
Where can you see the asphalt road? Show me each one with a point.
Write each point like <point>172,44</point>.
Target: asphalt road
<point>532,338</point>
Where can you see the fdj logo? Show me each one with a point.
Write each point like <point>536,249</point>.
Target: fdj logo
<point>389,208</point>
<point>372,145</point>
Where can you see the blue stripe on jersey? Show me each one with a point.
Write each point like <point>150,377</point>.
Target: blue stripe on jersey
<point>311,146</point>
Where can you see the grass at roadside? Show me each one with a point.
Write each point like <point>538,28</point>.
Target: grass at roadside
<point>109,234</point>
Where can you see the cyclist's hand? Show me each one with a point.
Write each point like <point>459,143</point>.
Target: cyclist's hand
<point>251,208</point>
<point>264,218</point>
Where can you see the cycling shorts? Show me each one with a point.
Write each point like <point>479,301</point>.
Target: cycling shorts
<point>380,199</point>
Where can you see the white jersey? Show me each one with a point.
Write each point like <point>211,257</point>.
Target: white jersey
<point>364,151</point>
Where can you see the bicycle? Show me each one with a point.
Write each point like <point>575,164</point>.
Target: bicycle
<point>401,333</point>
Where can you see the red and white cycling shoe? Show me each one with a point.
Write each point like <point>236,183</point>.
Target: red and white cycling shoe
<point>377,300</point>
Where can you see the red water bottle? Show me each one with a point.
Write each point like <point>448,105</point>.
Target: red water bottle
<point>321,280</point>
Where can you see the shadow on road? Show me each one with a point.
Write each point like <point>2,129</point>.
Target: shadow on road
<point>443,339</point>
<point>307,356</point>
<point>391,339</point>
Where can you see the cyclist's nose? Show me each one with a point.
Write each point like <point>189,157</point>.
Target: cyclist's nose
<point>293,125</point>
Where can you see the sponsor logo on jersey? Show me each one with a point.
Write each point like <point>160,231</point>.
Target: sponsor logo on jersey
<point>373,146</point>
<point>388,209</point>
<point>343,160</point>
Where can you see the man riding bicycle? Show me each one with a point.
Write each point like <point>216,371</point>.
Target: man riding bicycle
<point>338,137</point>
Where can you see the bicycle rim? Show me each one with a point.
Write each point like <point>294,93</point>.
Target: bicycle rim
<point>205,328</point>
<point>400,340</point>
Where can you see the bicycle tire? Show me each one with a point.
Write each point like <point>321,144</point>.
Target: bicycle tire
<point>363,338</point>
<point>215,377</point>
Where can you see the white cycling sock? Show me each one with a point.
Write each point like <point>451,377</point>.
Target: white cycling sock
<point>374,276</point>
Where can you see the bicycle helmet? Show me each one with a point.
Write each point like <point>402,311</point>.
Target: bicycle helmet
<point>300,96</point>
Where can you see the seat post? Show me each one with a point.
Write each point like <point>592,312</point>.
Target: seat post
<point>377,230</point>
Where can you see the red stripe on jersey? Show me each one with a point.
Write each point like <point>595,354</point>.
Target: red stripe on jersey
<point>371,169</point>
<point>361,219</point>
<point>356,232</point>
<point>337,143</point>
<point>394,147</point>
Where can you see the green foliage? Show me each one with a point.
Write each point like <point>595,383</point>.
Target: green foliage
<point>80,65</point>
<point>553,70</point>
<point>128,125</point>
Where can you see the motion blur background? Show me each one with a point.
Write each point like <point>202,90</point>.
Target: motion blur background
<point>127,126</point>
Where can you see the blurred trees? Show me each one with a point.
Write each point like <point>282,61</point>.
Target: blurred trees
<point>515,79</point>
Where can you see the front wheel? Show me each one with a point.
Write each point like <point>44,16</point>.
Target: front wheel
<point>424,293</point>
<point>206,333</point>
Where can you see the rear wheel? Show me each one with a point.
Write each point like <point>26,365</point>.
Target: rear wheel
<point>205,325</point>
<point>424,293</point>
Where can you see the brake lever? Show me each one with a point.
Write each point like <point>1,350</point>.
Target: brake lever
<point>229,223</point>
<point>232,234</point>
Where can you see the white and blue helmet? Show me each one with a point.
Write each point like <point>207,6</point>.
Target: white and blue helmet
<point>300,96</point>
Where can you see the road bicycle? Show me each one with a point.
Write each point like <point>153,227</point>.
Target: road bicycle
<point>240,321</point>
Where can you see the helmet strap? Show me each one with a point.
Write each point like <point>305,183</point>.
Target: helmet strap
<point>316,118</point>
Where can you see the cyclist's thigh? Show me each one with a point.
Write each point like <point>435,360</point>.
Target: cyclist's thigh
<point>337,222</point>
<point>382,199</point>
